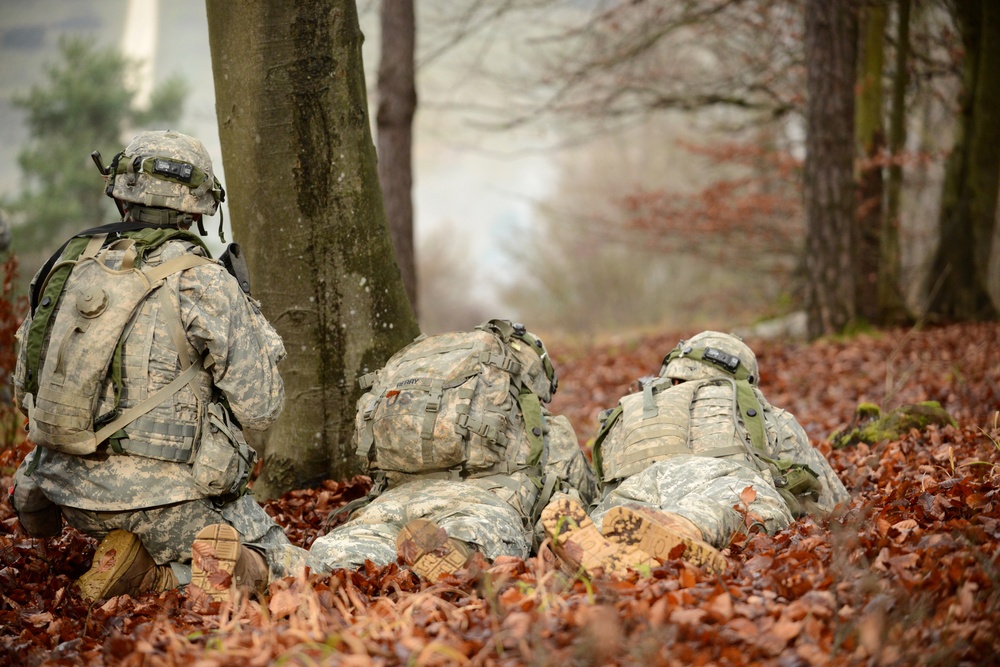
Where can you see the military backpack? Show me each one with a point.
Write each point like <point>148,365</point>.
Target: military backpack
<point>83,307</point>
<point>462,404</point>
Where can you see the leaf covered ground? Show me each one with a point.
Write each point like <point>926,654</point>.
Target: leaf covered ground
<point>906,574</point>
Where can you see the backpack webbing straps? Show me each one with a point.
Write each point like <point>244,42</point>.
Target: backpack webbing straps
<point>544,495</point>
<point>133,413</point>
<point>175,265</point>
<point>176,329</point>
<point>746,400</point>
<point>506,330</point>
<point>187,376</point>
<point>42,311</point>
<point>649,408</point>
<point>94,245</point>
<point>430,416</point>
<point>609,421</point>
<point>531,411</point>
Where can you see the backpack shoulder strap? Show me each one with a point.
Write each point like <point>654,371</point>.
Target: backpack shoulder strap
<point>609,421</point>
<point>176,329</point>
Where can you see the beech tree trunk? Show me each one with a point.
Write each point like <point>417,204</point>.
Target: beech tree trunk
<point>397,93</point>
<point>305,201</point>
<point>871,142</point>
<point>958,287</point>
<point>890,281</point>
<point>831,55</point>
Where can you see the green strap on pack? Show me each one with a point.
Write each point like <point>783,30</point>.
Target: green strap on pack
<point>508,331</point>
<point>746,398</point>
<point>531,410</point>
<point>796,482</point>
<point>42,317</point>
<point>606,425</point>
<point>146,240</point>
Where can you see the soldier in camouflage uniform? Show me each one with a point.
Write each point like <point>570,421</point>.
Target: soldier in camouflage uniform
<point>675,459</point>
<point>149,492</point>
<point>435,520</point>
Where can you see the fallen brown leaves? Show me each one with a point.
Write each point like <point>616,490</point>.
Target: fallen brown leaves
<point>906,574</point>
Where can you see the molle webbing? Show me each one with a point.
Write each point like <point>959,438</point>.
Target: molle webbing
<point>456,405</point>
<point>746,398</point>
<point>794,480</point>
<point>656,424</point>
<point>47,294</point>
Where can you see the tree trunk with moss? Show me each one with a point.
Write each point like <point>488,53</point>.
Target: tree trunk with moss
<point>890,280</point>
<point>306,204</point>
<point>958,287</point>
<point>870,133</point>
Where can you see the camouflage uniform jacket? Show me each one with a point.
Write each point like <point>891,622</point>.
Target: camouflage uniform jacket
<point>239,352</point>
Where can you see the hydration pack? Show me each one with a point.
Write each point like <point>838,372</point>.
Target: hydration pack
<point>82,310</point>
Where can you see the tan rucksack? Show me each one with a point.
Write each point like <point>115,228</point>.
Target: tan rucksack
<point>463,404</point>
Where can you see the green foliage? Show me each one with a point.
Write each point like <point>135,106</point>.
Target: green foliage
<point>85,104</point>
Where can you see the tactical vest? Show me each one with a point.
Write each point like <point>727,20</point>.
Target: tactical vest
<point>662,421</point>
<point>717,417</point>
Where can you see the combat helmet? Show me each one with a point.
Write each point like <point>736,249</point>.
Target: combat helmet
<point>711,354</point>
<point>166,169</point>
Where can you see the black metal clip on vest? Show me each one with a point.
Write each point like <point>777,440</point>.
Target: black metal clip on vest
<point>235,262</point>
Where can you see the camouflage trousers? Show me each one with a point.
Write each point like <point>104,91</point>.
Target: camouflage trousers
<point>168,531</point>
<point>464,510</point>
<point>704,490</point>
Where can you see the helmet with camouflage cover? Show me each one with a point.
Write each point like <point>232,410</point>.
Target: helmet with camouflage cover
<point>166,169</point>
<point>710,354</point>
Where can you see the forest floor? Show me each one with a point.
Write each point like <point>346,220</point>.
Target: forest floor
<point>907,573</point>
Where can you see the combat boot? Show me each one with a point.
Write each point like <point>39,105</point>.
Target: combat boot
<point>427,549</point>
<point>657,533</point>
<point>579,544</point>
<point>122,566</point>
<point>221,563</point>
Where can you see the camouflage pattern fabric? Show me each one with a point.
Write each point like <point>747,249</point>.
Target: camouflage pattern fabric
<point>705,489</point>
<point>240,351</point>
<point>492,514</point>
<point>167,532</point>
<point>462,508</point>
<point>158,498</point>
<point>197,194</point>
<point>791,442</point>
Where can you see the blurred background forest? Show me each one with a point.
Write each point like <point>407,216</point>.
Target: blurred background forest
<point>585,166</point>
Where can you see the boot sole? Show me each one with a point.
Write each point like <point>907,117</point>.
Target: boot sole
<point>579,544</point>
<point>626,526</point>
<point>214,553</point>
<point>431,553</point>
<point>115,553</point>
